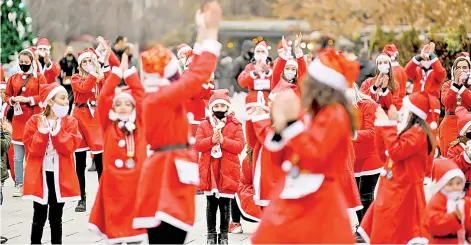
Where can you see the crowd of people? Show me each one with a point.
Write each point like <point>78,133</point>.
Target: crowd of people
<point>316,151</point>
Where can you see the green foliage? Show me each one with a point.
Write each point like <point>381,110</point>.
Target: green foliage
<point>10,35</point>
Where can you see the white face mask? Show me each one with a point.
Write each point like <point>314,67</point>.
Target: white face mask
<point>403,119</point>
<point>383,68</point>
<point>290,74</point>
<point>260,57</point>
<point>453,195</point>
<point>426,64</point>
<point>60,110</point>
<point>88,68</point>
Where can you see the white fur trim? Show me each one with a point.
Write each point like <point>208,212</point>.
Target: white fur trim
<point>462,89</point>
<point>269,72</point>
<point>262,203</point>
<point>183,50</point>
<point>167,218</point>
<point>212,46</point>
<point>327,75</point>
<point>125,95</point>
<point>363,234</point>
<point>293,130</point>
<point>253,74</point>
<point>118,72</point>
<point>372,89</point>
<point>129,72</point>
<point>383,56</point>
<point>190,116</point>
<point>418,240</point>
<point>465,127</point>
<point>82,149</point>
<point>456,172</point>
<point>298,53</point>
<point>243,213</point>
<point>119,240</point>
<point>453,88</point>
<point>86,55</point>
<point>31,101</point>
<point>466,157</point>
<point>15,142</point>
<point>368,172</point>
<point>414,109</point>
<point>107,68</point>
<point>385,123</point>
<point>415,61</point>
<point>210,85</point>
<point>51,94</point>
<point>57,129</point>
<point>43,130</point>
<point>271,96</point>
<point>292,63</point>
<point>3,86</point>
<point>395,63</point>
<point>205,86</point>
<point>354,209</point>
<point>262,47</point>
<point>219,101</point>
<point>433,60</point>
<point>152,80</point>
<point>355,135</point>
<point>260,117</point>
<point>197,49</point>
<point>272,145</point>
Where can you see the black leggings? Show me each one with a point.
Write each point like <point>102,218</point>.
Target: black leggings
<point>212,206</point>
<point>166,233</point>
<point>81,164</point>
<point>235,212</point>
<point>55,215</point>
<point>366,185</point>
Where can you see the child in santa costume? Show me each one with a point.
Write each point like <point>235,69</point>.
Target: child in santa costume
<point>448,213</point>
<point>397,214</point>
<point>309,202</point>
<point>124,140</point>
<point>165,199</point>
<point>383,88</point>
<point>46,66</point>
<point>454,93</point>
<point>51,139</point>
<point>459,149</point>
<point>367,162</point>
<point>86,87</point>
<point>22,94</point>
<point>426,71</point>
<point>398,71</point>
<point>220,139</point>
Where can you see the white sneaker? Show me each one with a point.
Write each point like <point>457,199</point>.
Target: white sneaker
<point>19,191</point>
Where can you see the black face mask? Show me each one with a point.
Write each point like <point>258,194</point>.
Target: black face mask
<point>220,114</point>
<point>468,135</point>
<point>25,68</point>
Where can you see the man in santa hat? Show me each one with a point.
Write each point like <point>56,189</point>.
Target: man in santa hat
<point>46,66</point>
<point>398,71</point>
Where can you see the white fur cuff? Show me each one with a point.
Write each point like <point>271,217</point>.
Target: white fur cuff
<point>385,123</point>
<point>118,72</point>
<point>129,72</point>
<point>211,46</point>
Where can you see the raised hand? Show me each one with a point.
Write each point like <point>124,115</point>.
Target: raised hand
<point>378,80</point>
<point>215,137</point>
<point>124,62</point>
<point>212,15</point>
<point>384,81</point>
<point>297,41</point>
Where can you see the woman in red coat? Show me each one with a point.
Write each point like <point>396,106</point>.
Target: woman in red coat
<point>165,199</point>
<point>454,93</point>
<point>22,93</point>
<point>86,87</point>
<point>120,113</point>
<point>397,214</point>
<point>51,139</point>
<point>383,88</point>
<point>397,70</point>
<point>310,193</point>
<point>220,139</point>
<point>448,213</point>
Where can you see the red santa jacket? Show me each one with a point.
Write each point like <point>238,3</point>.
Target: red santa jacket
<point>197,104</point>
<point>442,224</point>
<point>450,93</point>
<point>244,196</point>
<point>169,179</point>
<point>65,138</point>
<point>280,66</point>
<point>429,81</point>
<point>367,158</point>
<point>401,78</point>
<point>31,91</point>
<point>457,153</point>
<point>384,99</point>
<point>256,83</point>
<point>220,176</point>
<point>51,72</point>
<point>115,195</point>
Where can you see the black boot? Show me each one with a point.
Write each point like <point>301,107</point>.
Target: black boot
<point>37,232</point>
<point>212,239</point>
<point>3,240</point>
<point>56,231</point>
<point>82,205</point>
<point>223,238</point>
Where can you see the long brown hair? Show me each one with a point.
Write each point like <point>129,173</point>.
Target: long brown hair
<point>316,96</point>
<point>415,120</point>
<point>47,111</point>
<point>249,156</point>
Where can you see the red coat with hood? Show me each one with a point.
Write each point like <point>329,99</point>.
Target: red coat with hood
<point>220,176</point>
<point>115,195</point>
<point>245,194</point>
<point>430,81</point>
<point>169,179</point>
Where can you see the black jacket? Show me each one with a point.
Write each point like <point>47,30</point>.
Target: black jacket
<point>239,63</point>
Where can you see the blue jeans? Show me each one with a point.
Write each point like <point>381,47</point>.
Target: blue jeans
<point>18,160</point>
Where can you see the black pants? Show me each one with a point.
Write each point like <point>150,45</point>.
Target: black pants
<point>55,215</point>
<point>235,212</point>
<point>81,164</point>
<point>166,233</point>
<point>366,185</point>
<point>211,210</point>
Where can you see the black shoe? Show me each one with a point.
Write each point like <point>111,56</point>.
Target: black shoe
<point>211,239</point>
<point>223,239</point>
<point>82,205</point>
<point>93,167</point>
<point>3,240</point>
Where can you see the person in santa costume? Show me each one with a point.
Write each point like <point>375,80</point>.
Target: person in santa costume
<point>120,111</point>
<point>309,203</point>
<point>184,54</point>
<point>459,150</point>
<point>51,139</point>
<point>454,93</point>
<point>86,87</point>
<point>287,68</point>
<point>383,88</point>
<point>367,162</point>
<point>22,94</point>
<point>426,71</point>
<point>45,65</point>
<point>448,213</point>
<point>404,140</point>
<point>398,71</point>
<point>165,199</point>
<point>220,139</point>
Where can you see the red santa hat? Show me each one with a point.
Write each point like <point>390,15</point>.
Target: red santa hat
<point>464,120</point>
<point>391,51</point>
<point>219,96</point>
<point>126,93</point>
<point>3,84</point>
<point>30,50</point>
<point>158,64</point>
<point>464,55</point>
<point>281,86</point>
<point>280,45</point>
<point>183,48</point>
<point>48,91</point>
<point>86,53</point>
<point>292,62</point>
<point>444,170</point>
<point>262,46</point>
<point>383,56</point>
<point>425,106</point>
<point>43,43</point>
<point>123,92</point>
<point>333,69</point>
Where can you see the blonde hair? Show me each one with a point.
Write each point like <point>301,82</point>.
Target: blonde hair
<point>357,96</point>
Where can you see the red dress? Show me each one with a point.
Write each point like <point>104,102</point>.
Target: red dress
<point>112,212</point>
<point>384,99</point>
<point>245,194</point>
<point>458,155</point>
<point>397,214</point>
<point>31,90</point>
<point>319,148</point>
<point>65,138</point>
<point>220,176</point>
<point>429,81</point>
<point>168,180</point>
